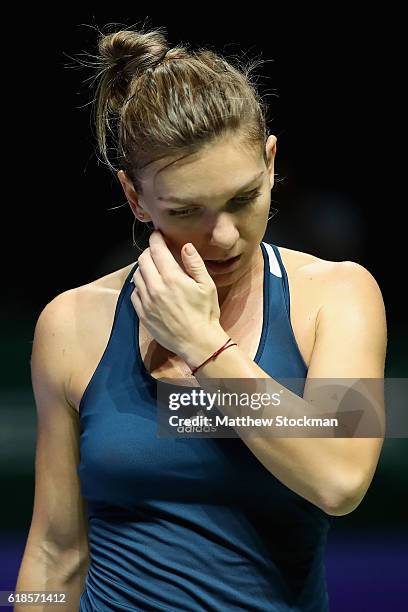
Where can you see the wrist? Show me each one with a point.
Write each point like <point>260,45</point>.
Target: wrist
<point>209,341</point>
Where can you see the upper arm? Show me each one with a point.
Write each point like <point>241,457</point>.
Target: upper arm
<point>351,330</point>
<point>59,524</point>
<point>351,341</point>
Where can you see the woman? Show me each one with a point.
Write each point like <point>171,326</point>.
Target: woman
<point>149,523</point>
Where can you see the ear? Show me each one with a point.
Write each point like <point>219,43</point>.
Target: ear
<point>128,188</point>
<point>132,196</point>
<point>270,148</point>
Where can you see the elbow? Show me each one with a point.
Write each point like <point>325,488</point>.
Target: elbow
<point>342,506</point>
<point>343,500</point>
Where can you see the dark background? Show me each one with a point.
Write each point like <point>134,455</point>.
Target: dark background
<point>334,90</point>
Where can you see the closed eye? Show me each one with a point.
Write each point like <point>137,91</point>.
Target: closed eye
<point>240,201</point>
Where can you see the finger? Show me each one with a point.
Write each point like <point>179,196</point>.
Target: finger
<point>138,306</point>
<point>140,286</point>
<point>162,257</point>
<point>148,270</point>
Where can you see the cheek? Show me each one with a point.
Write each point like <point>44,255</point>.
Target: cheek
<point>178,233</point>
<point>255,218</point>
<point>262,213</point>
<point>174,240</point>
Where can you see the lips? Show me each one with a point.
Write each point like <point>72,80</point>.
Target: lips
<point>222,260</point>
<point>224,266</point>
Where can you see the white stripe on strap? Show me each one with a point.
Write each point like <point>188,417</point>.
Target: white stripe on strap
<point>274,266</point>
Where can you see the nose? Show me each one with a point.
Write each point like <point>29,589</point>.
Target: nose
<point>223,232</point>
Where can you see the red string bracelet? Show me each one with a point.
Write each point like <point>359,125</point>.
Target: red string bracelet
<point>224,346</point>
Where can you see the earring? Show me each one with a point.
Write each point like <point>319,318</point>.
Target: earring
<point>150,225</point>
<point>275,212</point>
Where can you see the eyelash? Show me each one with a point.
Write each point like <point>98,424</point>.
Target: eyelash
<point>243,202</point>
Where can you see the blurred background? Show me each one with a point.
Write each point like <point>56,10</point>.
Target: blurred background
<point>334,91</point>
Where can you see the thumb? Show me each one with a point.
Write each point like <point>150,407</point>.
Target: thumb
<point>193,263</point>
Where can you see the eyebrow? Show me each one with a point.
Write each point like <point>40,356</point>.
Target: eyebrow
<point>191,201</point>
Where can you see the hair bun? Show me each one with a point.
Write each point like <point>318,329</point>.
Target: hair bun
<point>156,101</point>
<point>126,54</point>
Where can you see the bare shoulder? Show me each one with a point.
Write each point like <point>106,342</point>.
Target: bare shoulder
<point>329,281</point>
<point>91,299</point>
<point>114,280</point>
<point>299,262</point>
<point>307,277</point>
<point>301,265</point>
<point>97,301</point>
<point>93,304</point>
<point>80,320</point>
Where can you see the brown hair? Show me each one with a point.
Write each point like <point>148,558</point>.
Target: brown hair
<point>156,101</point>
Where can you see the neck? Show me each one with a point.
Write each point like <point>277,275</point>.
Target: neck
<point>245,285</point>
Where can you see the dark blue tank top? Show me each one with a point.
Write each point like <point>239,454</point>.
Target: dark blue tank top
<point>192,524</point>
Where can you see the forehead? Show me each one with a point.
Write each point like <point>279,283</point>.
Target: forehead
<point>214,172</point>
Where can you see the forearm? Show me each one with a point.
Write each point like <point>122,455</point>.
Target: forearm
<point>312,467</point>
<point>61,574</point>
